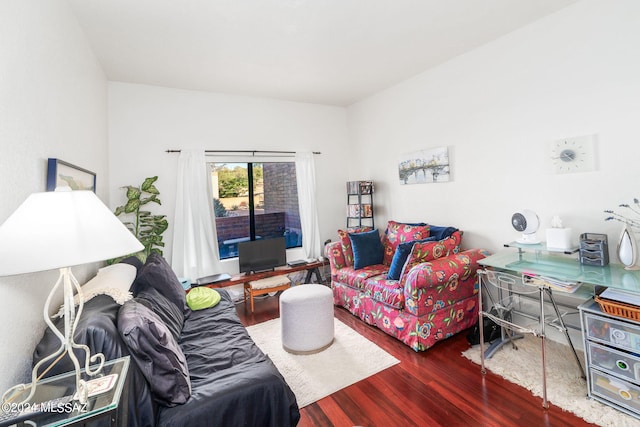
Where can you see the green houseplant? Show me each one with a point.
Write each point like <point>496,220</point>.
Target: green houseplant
<point>147,227</point>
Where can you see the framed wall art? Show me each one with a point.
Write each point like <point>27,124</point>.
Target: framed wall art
<point>425,166</point>
<point>61,173</point>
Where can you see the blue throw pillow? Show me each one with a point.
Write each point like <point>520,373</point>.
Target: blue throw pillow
<point>400,257</point>
<point>441,233</point>
<point>367,249</point>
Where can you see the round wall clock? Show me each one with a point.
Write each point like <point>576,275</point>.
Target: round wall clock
<point>573,154</point>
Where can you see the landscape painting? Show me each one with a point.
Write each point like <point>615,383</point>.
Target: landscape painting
<point>60,173</point>
<point>425,166</point>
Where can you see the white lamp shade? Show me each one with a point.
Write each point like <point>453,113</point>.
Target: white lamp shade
<point>61,229</point>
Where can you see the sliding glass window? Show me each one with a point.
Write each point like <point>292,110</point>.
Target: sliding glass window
<point>254,201</point>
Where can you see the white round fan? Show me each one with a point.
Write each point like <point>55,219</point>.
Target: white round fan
<point>527,222</point>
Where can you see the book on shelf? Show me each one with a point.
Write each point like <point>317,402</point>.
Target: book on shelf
<point>359,187</point>
<point>366,187</point>
<point>353,211</point>
<point>352,187</point>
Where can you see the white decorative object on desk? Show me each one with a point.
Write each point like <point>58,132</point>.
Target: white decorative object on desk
<point>627,249</point>
<point>558,237</point>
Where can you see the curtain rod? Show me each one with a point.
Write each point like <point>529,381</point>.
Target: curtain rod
<point>253,152</point>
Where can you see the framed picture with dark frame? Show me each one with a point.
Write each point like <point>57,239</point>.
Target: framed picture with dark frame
<point>61,173</point>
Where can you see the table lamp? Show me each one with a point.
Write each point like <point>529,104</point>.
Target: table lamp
<point>58,230</point>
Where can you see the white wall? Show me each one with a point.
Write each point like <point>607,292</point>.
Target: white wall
<point>144,121</point>
<point>496,108</point>
<point>573,73</point>
<point>52,104</point>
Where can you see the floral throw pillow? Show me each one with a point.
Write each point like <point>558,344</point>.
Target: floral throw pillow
<point>397,233</point>
<point>428,251</point>
<point>346,242</point>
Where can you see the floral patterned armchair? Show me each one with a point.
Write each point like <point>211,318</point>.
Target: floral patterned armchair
<point>423,289</point>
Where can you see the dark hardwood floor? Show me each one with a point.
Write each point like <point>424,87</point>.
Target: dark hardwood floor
<point>438,387</point>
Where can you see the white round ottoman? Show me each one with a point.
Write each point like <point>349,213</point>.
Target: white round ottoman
<point>306,316</point>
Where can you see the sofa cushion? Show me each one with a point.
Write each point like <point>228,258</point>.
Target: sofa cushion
<point>441,232</point>
<point>202,297</point>
<point>428,251</point>
<point>388,292</point>
<point>134,261</point>
<point>356,278</point>
<point>346,242</point>
<point>367,249</point>
<point>157,273</point>
<point>333,252</point>
<point>233,382</point>
<point>397,233</point>
<point>156,353</point>
<point>166,310</point>
<point>400,257</point>
<point>113,280</point>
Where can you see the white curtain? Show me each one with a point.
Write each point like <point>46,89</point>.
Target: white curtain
<point>195,246</point>
<point>306,181</point>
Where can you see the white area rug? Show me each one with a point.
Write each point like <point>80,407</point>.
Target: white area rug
<point>349,359</point>
<point>565,387</point>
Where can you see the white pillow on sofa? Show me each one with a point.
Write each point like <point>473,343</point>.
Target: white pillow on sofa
<point>113,280</point>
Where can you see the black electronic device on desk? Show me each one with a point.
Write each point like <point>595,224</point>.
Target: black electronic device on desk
<point>297,263</point>
<point>213,279</point>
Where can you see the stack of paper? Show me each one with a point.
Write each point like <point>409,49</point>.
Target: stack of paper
<point>550,282</point>
<point>621,295</point>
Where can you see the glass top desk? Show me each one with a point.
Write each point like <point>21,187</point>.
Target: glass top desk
<point>537,260</point>
<point>507,267</point>
<point>52,404</point>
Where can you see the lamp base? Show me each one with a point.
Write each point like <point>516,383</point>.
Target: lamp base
<point>67,343</point>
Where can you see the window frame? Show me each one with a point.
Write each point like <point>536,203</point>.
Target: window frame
<point>250,161</point>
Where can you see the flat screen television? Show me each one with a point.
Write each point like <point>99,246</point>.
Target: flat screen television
<point>262,255</point>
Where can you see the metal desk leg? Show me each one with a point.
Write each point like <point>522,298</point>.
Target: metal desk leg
<point>481,321</point>
<point>565,330</point>
<point>545,404</point>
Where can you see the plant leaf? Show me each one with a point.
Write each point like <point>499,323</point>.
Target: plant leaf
<point>132,205</point>
<point>133,192</point>
<point>148,228</point>
<point>148,183</point>
<point>161,226</point>
<point>152,198</point>
<point>152,190</point>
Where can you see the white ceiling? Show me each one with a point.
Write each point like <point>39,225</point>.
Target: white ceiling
<point>320,51</point>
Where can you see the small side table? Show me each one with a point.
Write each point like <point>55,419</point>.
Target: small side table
<point>58,411</point>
